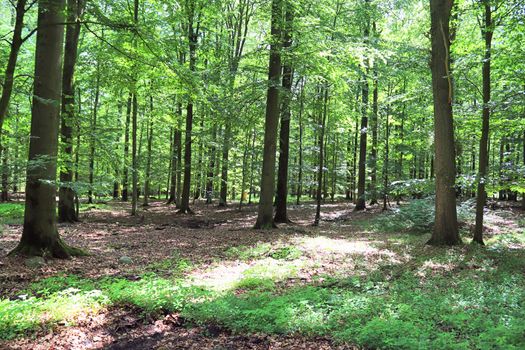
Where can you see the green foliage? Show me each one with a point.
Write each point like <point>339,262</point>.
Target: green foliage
<point>11,213</point>
<point>417,216</point>
<point>286,253</point>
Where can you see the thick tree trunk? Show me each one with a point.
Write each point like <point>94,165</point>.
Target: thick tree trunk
<point>40,235</point>
<point>281,215</point>
<point>446,226</point>
<point>66,195</point>
<point>265,212</point>
<point>481,199</point>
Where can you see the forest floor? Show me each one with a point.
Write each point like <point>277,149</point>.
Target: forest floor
<point>162,280</point>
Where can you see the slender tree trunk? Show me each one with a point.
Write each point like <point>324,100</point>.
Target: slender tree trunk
<point>134,158</point>
<point>178,142</point>
<point>252,162</point>
<point>373,153</point>
<point>265,212</point>
<point>481,199</point>
<point>211,166</point>
<point>192,39</point>
<point>224,165</point>
<point>66,196</point>
<point>126,150</point>
<point>320,170</point>
<point>148,161</point>
<point>4,196</point>
<point>198,183</point>
<point>361,180</point>
<point>446,227</point>
<point>244,166</point>
<point>9,75</point>
<point>92,139</point>
<point>301,130</point>
<point>387,158</point>
<point>40,235</point>
<point>77,150</point>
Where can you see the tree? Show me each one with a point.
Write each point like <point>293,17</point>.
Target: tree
<point>40,235</point>
<point>265,212</point>
<point>446,225</point>
<point>281,199</point>
<point>66,195</point>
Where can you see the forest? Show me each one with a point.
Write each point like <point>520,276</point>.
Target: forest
<point>262,174</point>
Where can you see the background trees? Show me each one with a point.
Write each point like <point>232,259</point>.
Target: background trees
<point>169,99</point>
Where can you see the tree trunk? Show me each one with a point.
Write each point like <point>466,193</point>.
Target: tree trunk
<point>281,215</point>
<point>224,165</point>
<point>4,196</point>
<point>92,139</point>
<point>265,212</point>
<point>134,158</point>
<point>192,40</point>
<point>481,199</point>
<point>126,150</point>
<point>373,153</point>
<point>320,170</point>
<point>145,203</point>
<point>40,235</point>
<point>66,195</point>
<point>361,178</point>
<point>446,226</point>
<point>211,166</point>
<point>301,130</point>
<point>16,43</point>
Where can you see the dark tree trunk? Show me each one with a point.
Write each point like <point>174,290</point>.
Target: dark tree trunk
<point>211,166</point>
<point>148,160</point>
<point>265,212</point>
<point>40,235</point>
<point>4,196</point>
<point>192,40</point>
<point>320,169</point>
<point>446,226</point>
<point>125,172</point>
<point>281,215</point>
<point>93,139</point>
<point>373,153</point>
<point>481,199</point>
<point>301,130</point>
<point>361,178</point>
<point>9,75</point>
<point>66,195</point>
<point>134,158</point>
<point>224,165</point>
<point>253,160</point>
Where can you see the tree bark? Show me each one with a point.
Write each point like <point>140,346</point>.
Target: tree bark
<point>281,214</point>
<point>320,170</point>
<point>125,171</point>
<point>134,158</point>
<point>92,139</point>
<point>40,235</point>
<point>481,199</point>
<point>265,212</point>
<point>66,195</point>
<point>145,203</point>
<point>373,152</point>
<point>446,226</point>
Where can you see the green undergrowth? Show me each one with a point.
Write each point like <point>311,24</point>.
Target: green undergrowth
<point>465,297</point>
<point>11,213</point>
